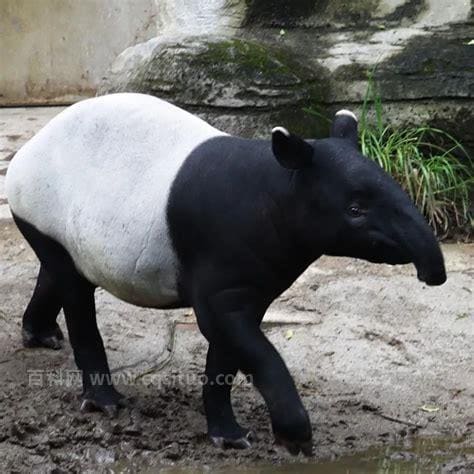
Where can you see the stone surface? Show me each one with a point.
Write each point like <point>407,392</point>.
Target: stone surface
<point>238,85</point>
<point>419,51</point>
<point>351,15</point>
<point>194,17</point>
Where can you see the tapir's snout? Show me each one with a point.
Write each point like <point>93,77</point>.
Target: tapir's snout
<point>428,257</point>
<point>414,241</point>
<point>432,273</point>
<point>434,279</point>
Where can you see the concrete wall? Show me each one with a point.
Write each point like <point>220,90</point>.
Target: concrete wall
<point>56,51</point>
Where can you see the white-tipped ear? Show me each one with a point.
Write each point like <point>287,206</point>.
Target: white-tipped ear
<point>344,125</point>
<point>281,130</point>
<point>348,113</point>
<point>291,151</point>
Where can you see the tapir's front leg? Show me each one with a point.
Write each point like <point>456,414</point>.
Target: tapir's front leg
<point>230,318</point>
<point>223,429</point>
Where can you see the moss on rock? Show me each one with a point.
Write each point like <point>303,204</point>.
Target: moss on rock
<point>278,12</point>
<point>282,13</point>
<point>430,67</point>
<point>217,76</point>
<point>248,58</point>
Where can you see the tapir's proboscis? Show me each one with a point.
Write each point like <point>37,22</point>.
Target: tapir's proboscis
<point>134,195</point>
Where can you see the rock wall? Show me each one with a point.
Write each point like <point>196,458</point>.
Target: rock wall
<point>239,85</point>
<point>247,65</point>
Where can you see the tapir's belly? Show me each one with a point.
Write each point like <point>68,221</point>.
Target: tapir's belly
<point>97,180</point>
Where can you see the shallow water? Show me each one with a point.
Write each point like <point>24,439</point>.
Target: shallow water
<point>415,456</point>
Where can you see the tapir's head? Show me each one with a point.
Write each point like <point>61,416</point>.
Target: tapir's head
<point>346,205</point>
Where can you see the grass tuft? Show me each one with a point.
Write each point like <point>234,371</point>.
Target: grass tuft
<point>430,164</point>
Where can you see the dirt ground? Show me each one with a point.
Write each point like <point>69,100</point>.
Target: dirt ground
<point>378,358</point>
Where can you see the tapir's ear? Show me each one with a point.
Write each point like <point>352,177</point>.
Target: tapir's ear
<point>344,125</point>
<point>290,150</point>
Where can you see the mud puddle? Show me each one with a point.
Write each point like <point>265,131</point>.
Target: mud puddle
<point>414,456</point>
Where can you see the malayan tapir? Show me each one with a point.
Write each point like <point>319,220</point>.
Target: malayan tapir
<point>132,194</point>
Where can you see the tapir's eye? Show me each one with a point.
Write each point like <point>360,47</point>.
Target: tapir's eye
<point>355,210</point>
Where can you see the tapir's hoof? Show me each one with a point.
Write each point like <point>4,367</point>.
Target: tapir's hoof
<point>51,339</point>
<point>104,399</point>
<point>295,447</point>
<point>242,442</point>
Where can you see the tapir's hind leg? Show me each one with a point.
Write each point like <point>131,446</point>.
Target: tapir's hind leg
<point>60,280</point>
<point>86,341</point>
<point>40,328</point>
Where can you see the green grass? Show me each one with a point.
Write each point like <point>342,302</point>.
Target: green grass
<point>429,163</point>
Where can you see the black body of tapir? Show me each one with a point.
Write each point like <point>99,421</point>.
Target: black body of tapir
<point>132,194</point>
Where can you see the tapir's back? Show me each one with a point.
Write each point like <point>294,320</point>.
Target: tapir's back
<point>97,180</point>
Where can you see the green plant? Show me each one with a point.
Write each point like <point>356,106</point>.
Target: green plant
<point>429,163</point>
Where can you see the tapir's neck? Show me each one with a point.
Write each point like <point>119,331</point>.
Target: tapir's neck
<point>279,185</point>
<point>245,196</point>
<point>275,188</point>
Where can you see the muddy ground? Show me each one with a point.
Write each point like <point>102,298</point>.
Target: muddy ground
<point>378,358</point>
